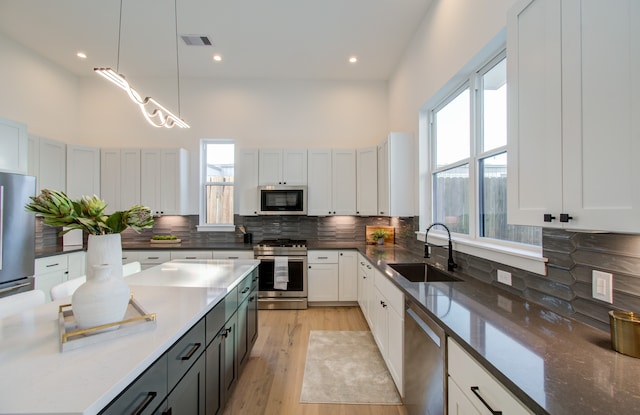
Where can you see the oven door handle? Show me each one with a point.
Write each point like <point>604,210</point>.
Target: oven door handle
<point>291,258</point>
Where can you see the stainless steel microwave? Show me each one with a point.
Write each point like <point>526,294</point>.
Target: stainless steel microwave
<point>283,200</point>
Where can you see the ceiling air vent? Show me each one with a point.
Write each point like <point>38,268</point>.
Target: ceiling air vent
<point>196,40</point>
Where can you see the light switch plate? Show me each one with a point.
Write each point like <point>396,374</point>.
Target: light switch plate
<point>602,286</point>
<point>504,277</point>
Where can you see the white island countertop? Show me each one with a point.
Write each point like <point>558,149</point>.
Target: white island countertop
<point>37,378</point>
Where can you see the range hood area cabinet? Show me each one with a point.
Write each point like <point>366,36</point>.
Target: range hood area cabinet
<point>396,176</point>
<point>283,167</point>
<point>574,106</point>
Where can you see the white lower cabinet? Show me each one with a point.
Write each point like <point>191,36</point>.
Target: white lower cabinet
<point>323,276</point>
<point>365,286</point>
<point>56,269</point>
<point>150,259</point>
<point>240,254</point>
<point>332,276</point>
<point>348,275</point>
<point>184,254</point>
<point>387,313</point>
<point>472,390</point>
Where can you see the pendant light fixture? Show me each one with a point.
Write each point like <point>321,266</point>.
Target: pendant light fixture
<point>156,114</point>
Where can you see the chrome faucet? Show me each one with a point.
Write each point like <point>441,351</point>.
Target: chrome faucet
<point>451,265</point>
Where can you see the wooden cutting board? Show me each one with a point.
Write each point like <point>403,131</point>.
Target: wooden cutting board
<point>388,240</point>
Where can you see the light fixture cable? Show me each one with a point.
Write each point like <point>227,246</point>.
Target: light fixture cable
<point>160,116</point>
<point>175,10</point>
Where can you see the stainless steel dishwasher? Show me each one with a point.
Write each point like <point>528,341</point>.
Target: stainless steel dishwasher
<point>424,363</point>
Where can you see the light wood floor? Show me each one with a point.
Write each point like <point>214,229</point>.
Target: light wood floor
<point>271,381</point>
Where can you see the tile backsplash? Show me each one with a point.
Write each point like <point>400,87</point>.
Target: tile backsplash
<point>565,289</point>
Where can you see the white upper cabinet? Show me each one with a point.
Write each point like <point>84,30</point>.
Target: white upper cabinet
<point>120,178</point>
<point>48,162</point>
<point>332,182</point>
<point>83,171</point>
<point>319,190</point>
<point>163,180</point>
<point>14,145</point>
<point>246,182</point>
<point>367,181</point>
<point>574,106</point>
<point>283,167</point>
<point>343,178</point>
<point>396,176</point>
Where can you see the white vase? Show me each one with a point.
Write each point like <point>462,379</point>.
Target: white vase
<point>104,249</point>
<point>380,241</point>
<point>103,299</point>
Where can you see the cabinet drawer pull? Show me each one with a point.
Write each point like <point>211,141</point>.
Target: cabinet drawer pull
<point>233,257</point>
<point>153,257</point>
<point>245,290</point>
<point>476,391</point>
<point>323,257</point>
<point>52,265</point>
<point>383,304</point>
<point>191,257</point>
<point>191,352</point>
<point>143,405</point>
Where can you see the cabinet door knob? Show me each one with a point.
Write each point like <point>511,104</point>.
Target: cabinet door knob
<point>565,217</point>
<point>548,217</point>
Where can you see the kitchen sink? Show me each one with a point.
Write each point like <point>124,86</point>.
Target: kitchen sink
<point>420,272</point>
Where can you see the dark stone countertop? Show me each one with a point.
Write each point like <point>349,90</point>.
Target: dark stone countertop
<point>553,364</point>
<point>57,250</point>
<point>196,246</point>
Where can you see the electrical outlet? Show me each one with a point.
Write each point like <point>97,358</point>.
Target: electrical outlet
<point>602,286</point>
<point>504,277</point>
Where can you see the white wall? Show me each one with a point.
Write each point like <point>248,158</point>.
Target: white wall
<point>452,33</point>
<point>36,92</point>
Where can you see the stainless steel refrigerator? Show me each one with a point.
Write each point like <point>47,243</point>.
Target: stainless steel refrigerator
<point>17,234</point>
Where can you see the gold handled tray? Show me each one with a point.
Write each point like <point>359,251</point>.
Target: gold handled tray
<point>135,320</point>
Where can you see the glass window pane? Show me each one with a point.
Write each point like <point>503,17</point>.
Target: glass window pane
<point>453,132</point>
<point>493,205</point>
<point>451,198</point>
<point>218,187</point>
<point>219,204</point>
<point>494,101</point>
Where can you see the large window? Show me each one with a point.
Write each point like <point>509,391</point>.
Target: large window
<point>468,142</point>
<point>217,164</point>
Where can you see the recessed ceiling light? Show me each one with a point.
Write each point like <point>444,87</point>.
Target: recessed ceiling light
<point>81,55</point>
<point>353,59</point>
<point>217,57</point>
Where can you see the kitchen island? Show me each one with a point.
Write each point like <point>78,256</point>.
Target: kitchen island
<point>37,378</point>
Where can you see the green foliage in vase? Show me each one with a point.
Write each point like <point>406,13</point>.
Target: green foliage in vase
<point>87,213</point>
<point>379,234</point>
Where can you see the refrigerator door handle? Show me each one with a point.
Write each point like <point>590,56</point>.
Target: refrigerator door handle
<point>14,287</point>
<point>1,222</point>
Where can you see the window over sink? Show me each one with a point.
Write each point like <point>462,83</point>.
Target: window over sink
<point>466,135</point>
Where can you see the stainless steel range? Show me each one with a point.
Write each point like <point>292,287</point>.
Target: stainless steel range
<point>283,273</point>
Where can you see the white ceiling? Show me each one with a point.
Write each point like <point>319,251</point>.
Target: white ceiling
<point>273,39</point>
